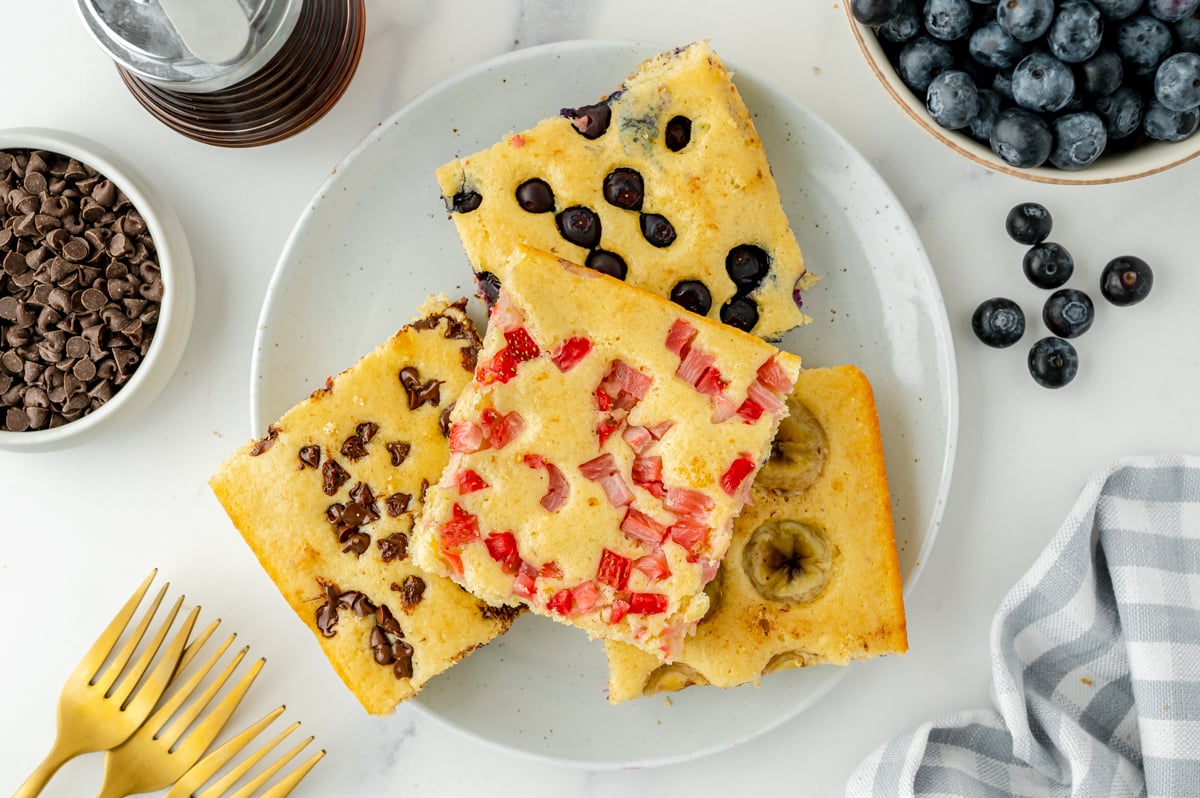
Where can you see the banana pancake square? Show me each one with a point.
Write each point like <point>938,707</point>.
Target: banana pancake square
<point>663,183</point>
<point>600,454</point>
<point>327,500</point>
<point>812,574</point>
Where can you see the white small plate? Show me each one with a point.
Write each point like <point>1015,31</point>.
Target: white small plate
<point>376,241</point>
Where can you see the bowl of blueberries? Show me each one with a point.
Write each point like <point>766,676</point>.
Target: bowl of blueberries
<point>1055,91</point>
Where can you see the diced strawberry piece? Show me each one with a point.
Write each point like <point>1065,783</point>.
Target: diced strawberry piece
<point>534,460</point>
<point>550,570</point>
<point>468,481</point>
<point>723,407</point>
<point>642,527</point>
<point>765,397</point>
<point>524,584</point>
<point>654,565</point>
<point>648,603</point>
<point>504,314</point>
<point>603,400</point>
<point>737,472</point>
<point>614,569</point>
<point>585,595</point>
<point>710,383</point>
<point>570,352</point>
<point>461,529</point>
<point>598,467</point>
<point>465,437</point>
<point>501,368</point>
<point>708,569</point>
<point>688,533</point>
<point>617,610</point>
<point>679,335</point>
<point>500,428</point>
<point>638,438</point>
<point>520,345</point>
<point>657,431</point>
<point>772,375</point>
<point>694,364</point>
<point>557,490</point>
<point>632,381</point>
<point>616,489</point>
<point>503,548</point>
<point>606,428</point>
<point>647,469</point>
<point>688,503</point>
<point>561,602</point>
<point>750,411</point>
<point>454,561</point>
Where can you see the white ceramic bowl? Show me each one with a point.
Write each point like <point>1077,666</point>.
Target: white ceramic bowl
<point>1145,159</point>
<point>176,310</point>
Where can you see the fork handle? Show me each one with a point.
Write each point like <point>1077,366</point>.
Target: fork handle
<point>38,779</point>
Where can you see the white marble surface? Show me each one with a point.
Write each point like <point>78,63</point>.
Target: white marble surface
<point>82,526</point>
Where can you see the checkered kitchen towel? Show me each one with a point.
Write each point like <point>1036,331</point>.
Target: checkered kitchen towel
<point>1095,661</point>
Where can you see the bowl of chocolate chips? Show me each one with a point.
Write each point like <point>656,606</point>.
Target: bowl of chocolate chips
<point>1055,91</point>
<point>96,290</point>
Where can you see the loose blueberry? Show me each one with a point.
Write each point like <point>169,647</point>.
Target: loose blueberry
<point>921,60</point>
<point>1101,75</point>
<point>1126,280</point>
<point>579,225</point>
<point>590,120</point>
<point>984,123</point>
<point>1163,124</point>
<point>1042,83</point>
<point>1068,313</point>
<point>993,46</point>
<point>874,12</point>
<point>1048,265</point>
<point>624,188</point>
<point>998,322</point>
<point>1053,362</point>
<point>535,196</point>
<point>1121,111</point>
<point>1177,81</point>
<point>657,230</point>
<point>1079,139</point>
<point>948,20</point>
<point>1076,32</point>
<point>1143,42</point>
<point>1187,33</point>
<point>489,287</point>
<point>1172,10</point>
<point>740,312</point>
<point>952,99</point>
<point>906,23</point>
<point>1002,84</point>
<point>1025,20</point>
<point>747,265</point>
<point>678,133</point>
<point>466,201</point>
<point>1021,138</point>
<point>692,295</point>
<point>1118,9</point>
<point>609,263</point>
<point>1029,223</point>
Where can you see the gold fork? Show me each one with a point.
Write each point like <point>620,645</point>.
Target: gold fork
<point>95,711</point>
<point>206,768</point>
<point>175,736</point>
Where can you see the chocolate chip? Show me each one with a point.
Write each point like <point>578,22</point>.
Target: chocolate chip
<point>397,504</point>
<point>469,357</point>
<point>353,449</point>
<point>403,653</point>
<point>399,451</point>
<point>419,392</point>
<point>334,476</point>
<point>411,591</point>
<point>266,442</point>
<point>356,543</point>
<point>309,456</point>
<point>501,613</point>
<point>444,420</point>
<point>387,621</point>
<point>393,547</point>
<point>381,647</point>
<point>366,431</point>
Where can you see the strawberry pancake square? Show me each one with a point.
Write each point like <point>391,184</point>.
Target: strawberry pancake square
<point>600,454</point>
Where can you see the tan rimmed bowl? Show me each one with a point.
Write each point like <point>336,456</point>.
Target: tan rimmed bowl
<point>175,310</point>
<point>1145,159</point>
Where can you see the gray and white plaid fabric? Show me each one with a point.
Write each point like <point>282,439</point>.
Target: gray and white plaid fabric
<point>1095,661</point>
